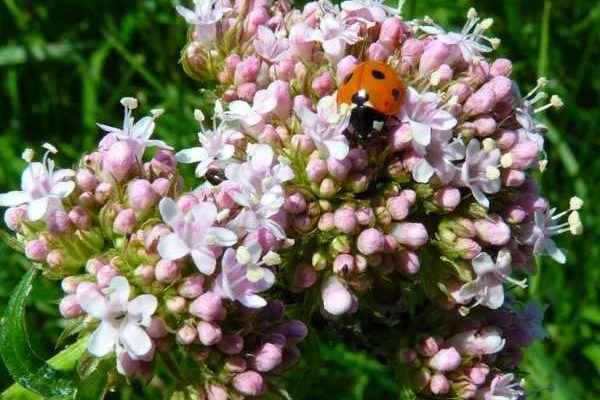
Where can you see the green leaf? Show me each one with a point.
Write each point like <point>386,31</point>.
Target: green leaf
<point>25,367</point>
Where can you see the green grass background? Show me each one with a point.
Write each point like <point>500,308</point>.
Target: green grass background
<point>64,64</point>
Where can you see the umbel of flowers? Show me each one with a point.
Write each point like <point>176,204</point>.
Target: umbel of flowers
<point>410,239</point>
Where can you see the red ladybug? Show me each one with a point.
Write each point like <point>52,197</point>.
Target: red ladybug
<point>376,92</point>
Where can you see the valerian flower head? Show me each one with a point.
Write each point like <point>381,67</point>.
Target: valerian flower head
<point>487,289</point>
<point>194,233</point>
<point>242,276</point>
<point>137,133</point>
<point>122,321</point>
<point>479,172</point>
<point>42,188</point>
<point>326,127</point>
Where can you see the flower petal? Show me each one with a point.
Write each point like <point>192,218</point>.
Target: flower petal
<point>168,210</point>
<point>103,339</point>
<point>253,301</point>
<point>223,236</point>
<point>483,264</point>
<point>142,308</point>
<point>14,198</point>
<point>37,208</point>
<point>172,247</point>
<point>423,171</point>
<point>193,155</point>
<point>62,189</point>
<point>204,261</point>
<point>135,340</point>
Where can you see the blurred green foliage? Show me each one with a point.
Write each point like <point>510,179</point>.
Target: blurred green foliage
<point>65,64</point>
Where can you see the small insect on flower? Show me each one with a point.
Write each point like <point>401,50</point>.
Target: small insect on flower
<point>376,92</point>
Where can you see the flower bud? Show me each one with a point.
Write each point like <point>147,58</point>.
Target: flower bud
<point>411,234</point>
<point>191,287</point>
<point>236,364</point>
<point>447,198</point>
<point>86,180</point>
<point>209,333</point>
<point>501,66</point>
<point>144,273</point>
<point>119,160</point>
<point>439,384</point>
<point>428,346</point>
<point>163,163</point>
<point>186,335</point>
<point>370,241</point>
<point>14,216</point>
<point>295,330</point>
<point>157,328</point>
<point>103,191</point>
<point>316,170</point>
<point>295,203</point>
<point>247,70</point>
<point>468,248</point>
<point>176,304</point>
<point>55,258</point>
<point>208,307</point>
<point>105,275</point>
<point>124,222</point>
<point>365,216</point>
<point>408,262</point>
<point>36,250</point>
<point>231,344</point>
<point>80,218</point>
<point>267,357</point>
<point>398,207</point>
<point>377,52</point>
<point>484,126</point>
<point>493,230</point>
<point>58,222</point>
<point>343,264</point>
<point>337,300</point>
<point>304,276</point>
<point>435,54</point>
<point>323,84</point>
<point>339,168</point>
<point>391,33</point>
<point>249,383</point>
<point>501,86</point>
<point>69,284</point>
<point>345,66</point>
<point>480,102</point>
<point>69,307</point>
<point>326,222</point>
<point>93,265</point>
<point>215,392</point>
<point>513,177</point>
<point>344,220</point>
<point>478,374</point>
<point>140,195</point>
<point>166,270</point>
<point>300,45</point>
<point>328,188</point>
<point>445,360</point>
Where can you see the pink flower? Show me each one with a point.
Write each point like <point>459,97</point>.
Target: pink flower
<point>487,340</point>
<point>337,300</point>
<point>502,387</point>
<point>205,16</point>
<point>334,35</point>
<point>326,127</point>
<point>242,277</point>
<point>271,46</point>
<point>121,320</point>
<point>372,10</point>
<point>193,233</point>
<point>215,150</point>
<point>480,172</point>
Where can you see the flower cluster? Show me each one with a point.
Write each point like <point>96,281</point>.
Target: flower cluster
<point>436,216</point>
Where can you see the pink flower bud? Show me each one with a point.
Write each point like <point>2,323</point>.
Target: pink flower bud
<point>365,216</point>
<point>144,273</point>
<point>501,66</point>
<point>69,284</point>
<point>478,374</point>
<point>163,163</point>
<point>357,182</point>
<point>284,69</point>
<point>166,270</point>
<point>58,222</point>
<point>161,186</point>
<point>398,207</point>
<point>359,159</point>
<point>326,222</point>
<point>256,17</point>
<point>36,250</point>
<point>484,126</point>
<point>345,66</point>
<point>209,333</point>
<point>236,364</point>
<point>249,383</point>
<point>439,384</point>
<point>157,328</point>
<point>267,357</point>
<point>515,214</point>
<point>411,234</point>
<point>377,52</point>
<point>176,304</point>
<point>468,248</point>
<point>502,87</point>
<point>305,146</point>
<point>191,287</point>
<point>435,54</point>
<point>461,90</point>
<point>445,360</point>
<point>513,177</point>
<point>55,258</point>
<point>323,84</point>
<point>337,300</point>
<point>105,275</point>
<point>427,346</point>
<point>345,220</point>
<point>280,90</point>
<point>343,264</point>
<point>80,218</point>
<point>316,170</point>
<point>295,203</point>
<point>14,216</point>
<point>408,262</point>
<point>186,334</point>
<point>119,160</point>
<point>208,307</point>
<point>445,74</point>
<point>103,191</point>
<point>447,197</point>
<point>93,265</point>
<point>140,195</point>
<point>493,230</point>
<point>390,33</point>
<point>86,180</point>
<point>295,331</point>
<point>246,91</point>
<point>69,307</point>
<point>411,52</point>
<point>524,154</point>
<point>124,222</point>
<point>231,344</point>
<point>338,168</point>
<point>370,241</point>
<point>247,70</point>
<point>215,392</point>
<point>304,276</point>
<point>409,195</point>
<point>480,102</point>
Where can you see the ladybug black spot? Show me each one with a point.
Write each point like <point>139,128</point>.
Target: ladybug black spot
<point>395,94</point>
<point>377,74</point>
<point>347,78</point>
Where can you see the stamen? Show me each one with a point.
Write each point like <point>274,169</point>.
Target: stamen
<point>28,155</point>
<point>242,255</point>
<point>130,103</point>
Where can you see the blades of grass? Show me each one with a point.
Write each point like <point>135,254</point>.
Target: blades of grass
<point>544,40</point>
<point>135,63</point>
<point>19,17</point>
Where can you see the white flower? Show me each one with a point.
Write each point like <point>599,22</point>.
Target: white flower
<point>193,233</point>
<point>205,16</point>
<point>242,277</point>
<point>251,115</point>
<point>334,35</point>
<point>374,10</point>
<point>43,189</point>
<point>470,41</point>
<point>270,45</point>
<point>480,171</point>
<point>326,127</point>
<point>122,321</point>
<point>502,387</point>
<point>138,133</point>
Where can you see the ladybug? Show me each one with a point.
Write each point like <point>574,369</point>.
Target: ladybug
<point>376,92</point>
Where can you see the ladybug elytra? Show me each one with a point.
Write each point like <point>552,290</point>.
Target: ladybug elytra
<point>376,92</point>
